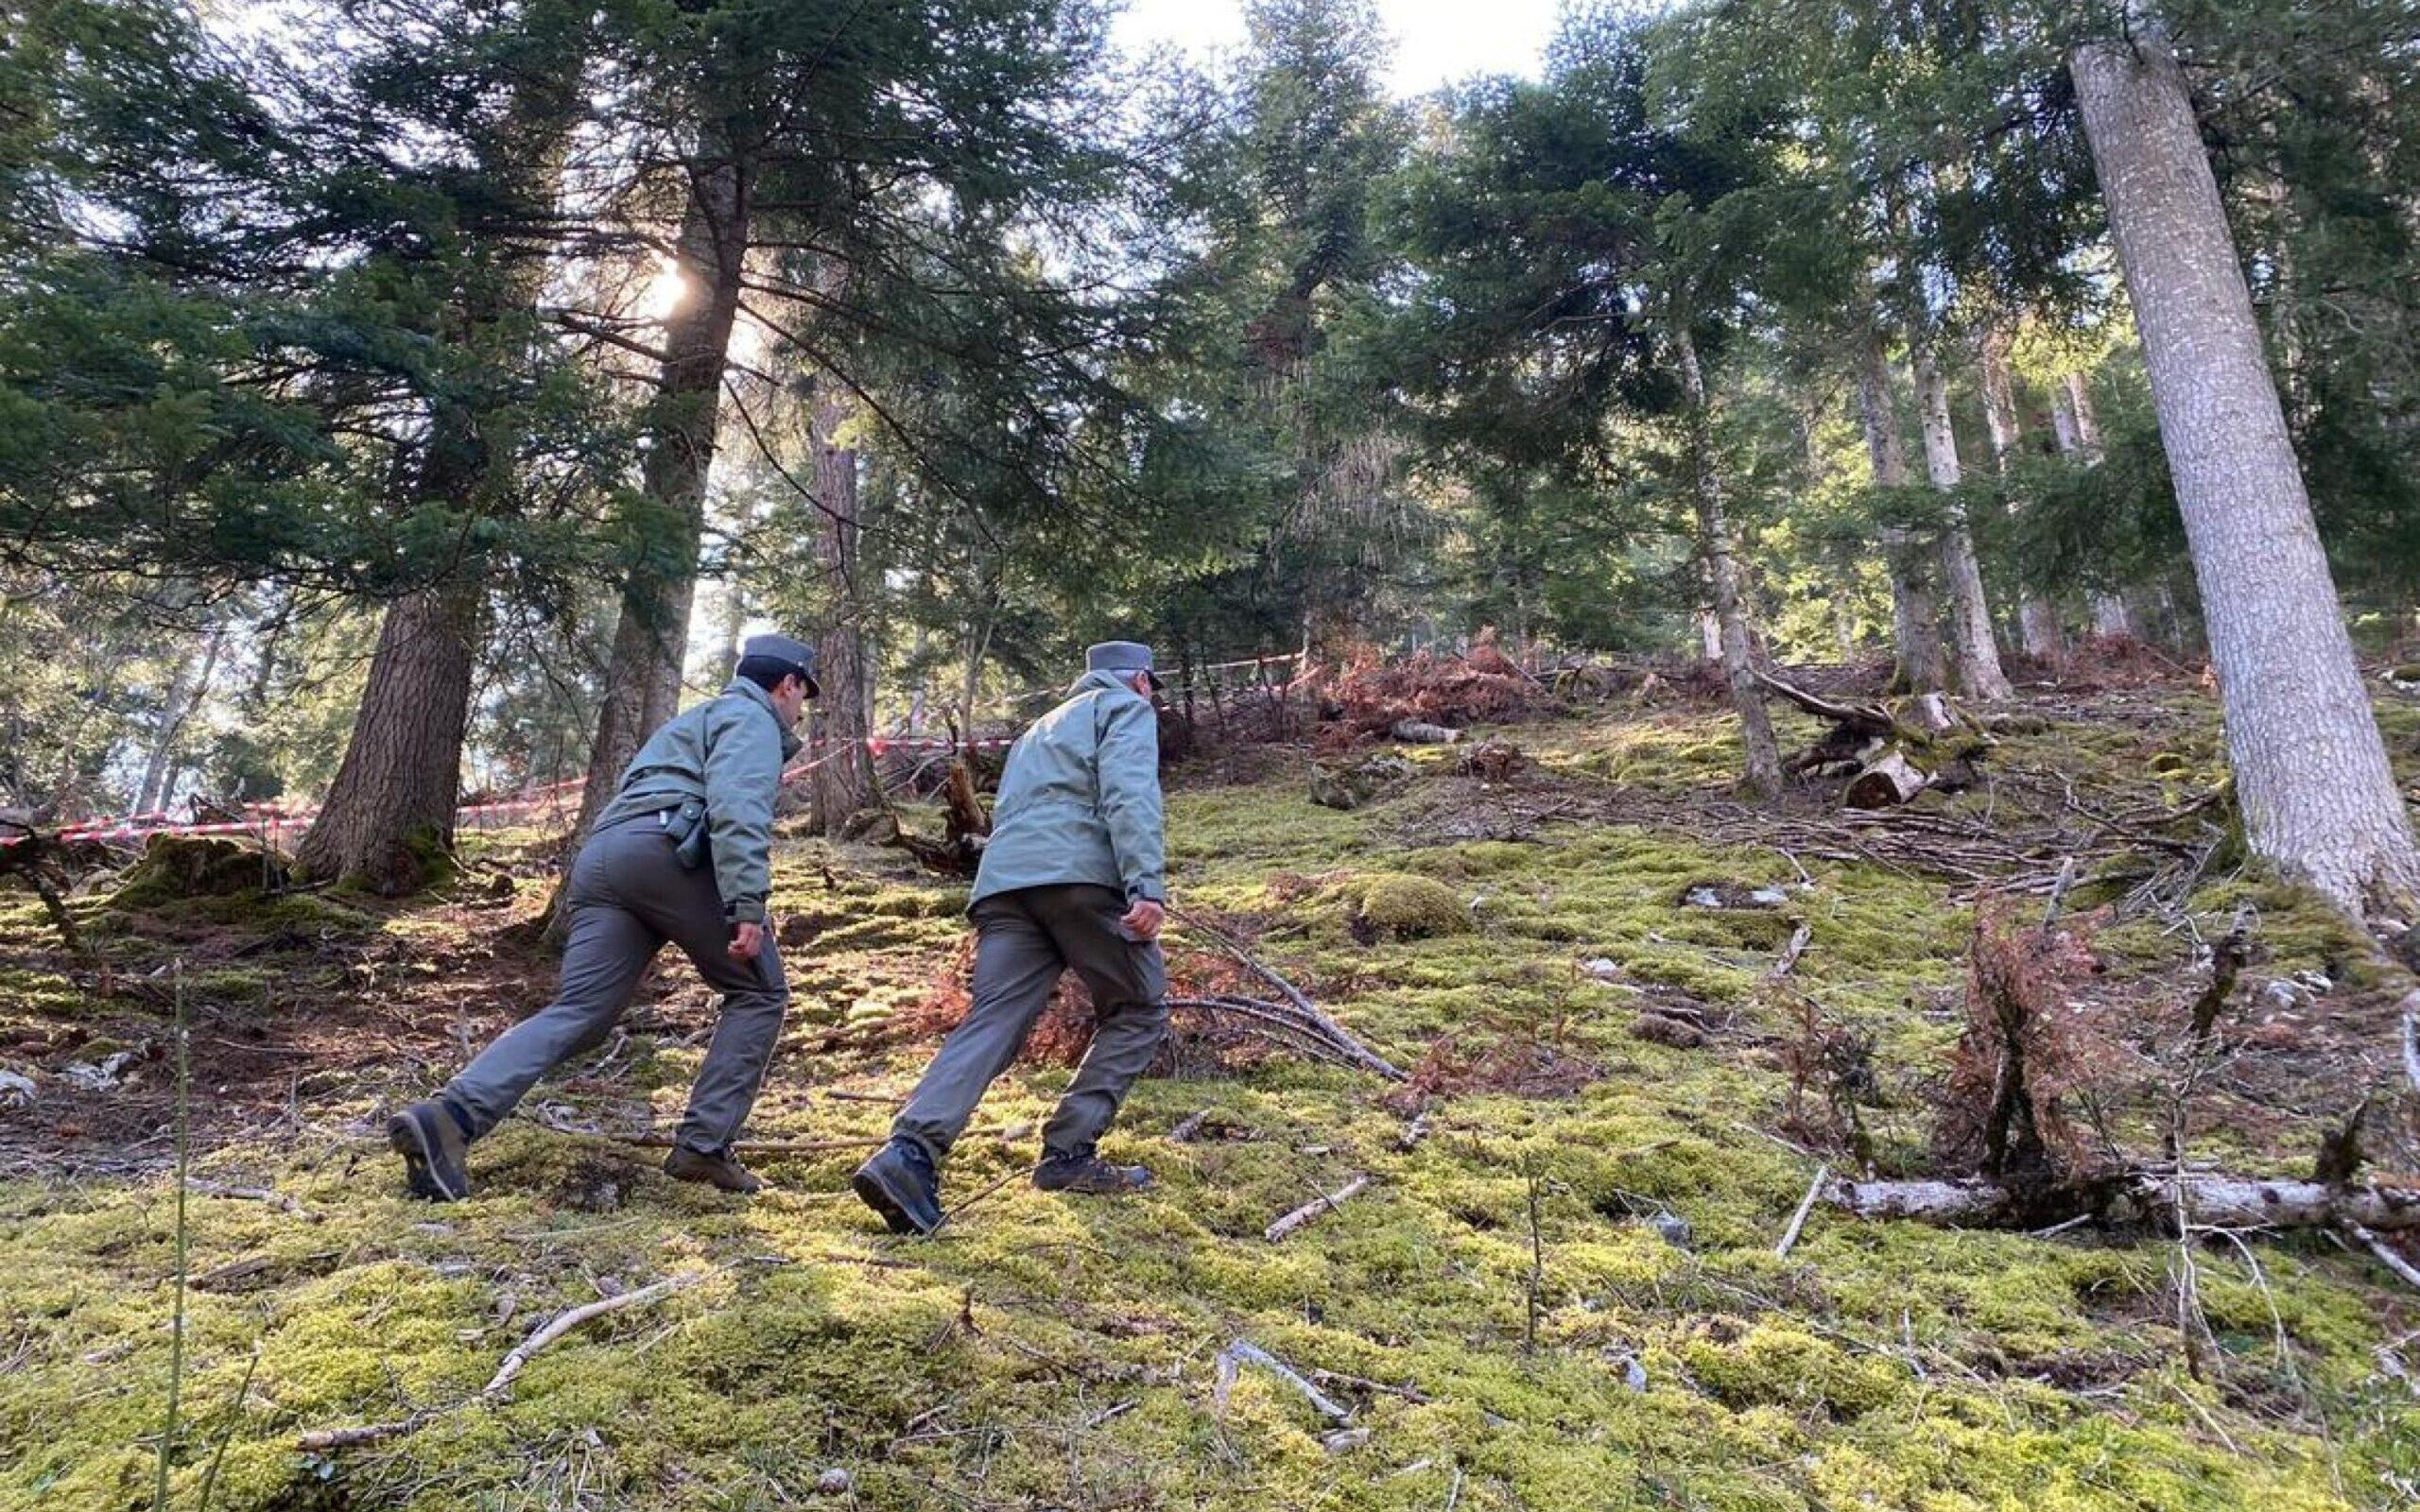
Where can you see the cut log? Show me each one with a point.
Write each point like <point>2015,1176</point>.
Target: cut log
<point>1888,781</point>
<point>1418,733</point>
<point>2214,1201</point>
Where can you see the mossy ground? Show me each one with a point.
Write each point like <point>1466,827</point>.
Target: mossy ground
<point>1054,1353</point>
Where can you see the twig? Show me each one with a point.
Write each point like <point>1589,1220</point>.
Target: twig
<point>980,1196</point>
<point>1189,1128</point>
<point>1413,1132</point>
<point>564,1323</point>
<point>2386,1257</point>
<point>1797,947</point>
<point>1243,1353</point>
<point>274,1199</point>
<point>665,1141</point>
<point>1806,1205</point>
<point>1316,1206</point>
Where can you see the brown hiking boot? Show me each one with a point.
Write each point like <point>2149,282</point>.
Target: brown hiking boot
<point>1085,1172</point>
<point>718,1169</point>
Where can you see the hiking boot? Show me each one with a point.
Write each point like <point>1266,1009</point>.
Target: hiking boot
<point>899,1183</point>
<point>720,1168</point>
<point>433,1146</point>
<point>1083,1171</point>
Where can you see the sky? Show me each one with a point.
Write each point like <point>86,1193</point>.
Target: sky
<point>1437,42</point>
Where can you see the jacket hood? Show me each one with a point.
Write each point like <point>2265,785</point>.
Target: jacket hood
<point>791,744</point>
<point>1106,680</point>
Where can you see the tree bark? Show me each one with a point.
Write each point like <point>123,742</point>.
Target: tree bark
<point>1763,756</point>
<point>652,637</point>
<point>2319,799</point>
<point>1915,628</point>
<point>388,820</point>
<point>845,783</point>
<point>2037,618</point>
<point>1970,617</point>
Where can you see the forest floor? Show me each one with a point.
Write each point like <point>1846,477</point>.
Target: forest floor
<point>1566,1294</point>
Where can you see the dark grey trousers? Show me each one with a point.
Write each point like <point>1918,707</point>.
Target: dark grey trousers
<point>1024,940</point>
<point>627,894</point>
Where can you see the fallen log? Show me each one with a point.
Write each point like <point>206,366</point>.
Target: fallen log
<point>1887,782</point>
<point>2213,1201</point>
<point>1316,1206</point>
<point>1420,733</point>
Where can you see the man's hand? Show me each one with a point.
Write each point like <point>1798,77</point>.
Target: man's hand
<point>747,941</point>
<point>1143,921</point>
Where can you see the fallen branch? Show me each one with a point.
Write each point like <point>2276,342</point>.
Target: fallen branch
<point>324,1439</point>
<point>665,1141</point>
<point>1325,1027</point>
<point>2411,1040</point>
<point>1420,733</point>
<point>1798,1219</point>
<point>2386,1257</point>
<point>1243,1353</point>
<point>1311,1209</point>
<point>562,1323</point>
<point>1189,1128</point>
<point>2216,1201</point>
<point>274,1199</point>
<point>1799,938</point>
<point>1413,1132</point>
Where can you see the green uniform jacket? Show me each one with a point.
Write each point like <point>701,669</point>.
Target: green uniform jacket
<point>727,752</point>
<point>1080,801</point>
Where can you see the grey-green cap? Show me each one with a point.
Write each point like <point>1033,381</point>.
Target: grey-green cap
<point>797,655</point>
<point>1125,657</point>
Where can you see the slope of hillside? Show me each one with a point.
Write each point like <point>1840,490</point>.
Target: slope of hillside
<point>1558,1290</point>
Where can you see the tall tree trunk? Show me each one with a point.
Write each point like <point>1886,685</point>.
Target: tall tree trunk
<point>2070,422</point>
<point>1915,618</point>
<point>1722,578</point>
<point>2318,796</point>
<point>845,783</point>
<point>388,820</point>
<point>184,691</point>
<point>2037,619</point>
<point>651,636</point>
<point>1970,616</point>
<point>390,812</point>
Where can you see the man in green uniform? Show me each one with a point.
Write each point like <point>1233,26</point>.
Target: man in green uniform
<point>1074,875</point>
<point>702,787</point>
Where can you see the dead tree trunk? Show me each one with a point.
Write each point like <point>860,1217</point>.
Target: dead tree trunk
<point>1763,757</point>
<point>2069,403</point>
<point>2318,796</point>
<point>1970,616</point>
<point>1915,618</point>
<point>2037,618</point>
<point>192,681</point>
<point>845,783</point>
<point>652,637</point>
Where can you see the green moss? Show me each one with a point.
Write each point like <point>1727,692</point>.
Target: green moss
<point>1397,906</point>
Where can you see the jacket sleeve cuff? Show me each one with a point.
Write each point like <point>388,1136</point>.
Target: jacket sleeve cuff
<point>1142,891</point>
<point>744,911</point>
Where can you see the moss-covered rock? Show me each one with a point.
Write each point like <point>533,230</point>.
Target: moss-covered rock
<point>1397,906</point>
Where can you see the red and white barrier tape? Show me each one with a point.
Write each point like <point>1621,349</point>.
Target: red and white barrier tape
<point>271,819</point>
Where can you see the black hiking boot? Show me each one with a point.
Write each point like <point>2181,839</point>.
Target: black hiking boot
<point>899,1183</point>
<point>718,1169</point>
<point>433,1146</point>
<point>1083,1171</point>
